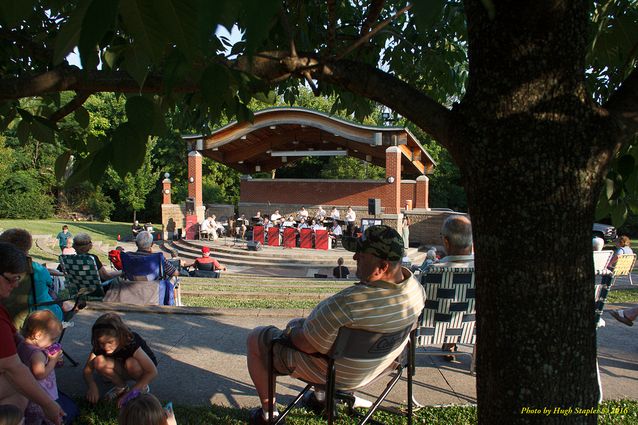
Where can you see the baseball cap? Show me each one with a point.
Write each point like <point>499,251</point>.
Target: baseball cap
<point>205,249</point>
<point>381,241</point>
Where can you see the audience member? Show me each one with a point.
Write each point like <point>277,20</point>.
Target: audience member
<point>136,228</point>
<point>205,264</point>
<point>145,409</point>
<point>430,258</point>
<point>598,243</point>
<point>623,246</point>
<point>119,355</point>
<point>83,244</point>
<point>41,354</point>
<point>626,316</point>
<point>341,271</point>
<point>68,249</point>
<point>63,237</point>
<point>42,280</point>
<point>457,240</point>
<point>144,242</point>
<point>17,384</point>
<point>384,285</point>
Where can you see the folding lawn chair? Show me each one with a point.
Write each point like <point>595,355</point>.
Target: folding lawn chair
<point>143,277</point>
<point>81,274</point>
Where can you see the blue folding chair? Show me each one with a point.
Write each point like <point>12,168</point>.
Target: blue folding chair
<point>149,268</point>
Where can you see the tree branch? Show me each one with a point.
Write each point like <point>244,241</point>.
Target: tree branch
<point>68,77</point>
<point>74,104</point>
<point>623,106</point>
<point>373,13</point>
<point>367,36</point>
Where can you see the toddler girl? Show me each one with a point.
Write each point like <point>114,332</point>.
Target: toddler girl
<point>146,410</point>
<point>118,355</point>
<point>40,353</point>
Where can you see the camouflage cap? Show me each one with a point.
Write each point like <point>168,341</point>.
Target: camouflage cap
<point>381,241</point>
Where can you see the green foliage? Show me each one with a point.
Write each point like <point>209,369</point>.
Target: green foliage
<point>23,196</point>
<point>100,205</point>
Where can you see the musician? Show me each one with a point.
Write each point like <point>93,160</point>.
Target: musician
<point>351,217</point>
<point>207,227</point>
<point>267,223</point>
<point>321,214</point>
<point>335,232</point>
<point>275,216</point>
<point>258,219</point>
<point>334,213</point>
<point>303,224</point>
<point>241,226</point>
<point>302,213</point>
<point>315,225</point>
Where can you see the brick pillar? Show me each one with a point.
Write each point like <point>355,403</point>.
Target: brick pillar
<point>393,172</point>
<point>166,190</point>
<point>422,192</point>
<point>195,177</point>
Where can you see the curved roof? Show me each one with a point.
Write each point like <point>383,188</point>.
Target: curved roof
<point>281,135</point>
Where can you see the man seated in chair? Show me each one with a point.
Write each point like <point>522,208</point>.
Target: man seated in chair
<point>206,266</point>
<point>386,299</point>
<point>456,233</point>
<point>144,242</point>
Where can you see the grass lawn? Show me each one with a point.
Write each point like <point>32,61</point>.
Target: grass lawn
<point>617,412</point>
<point>623,296</point>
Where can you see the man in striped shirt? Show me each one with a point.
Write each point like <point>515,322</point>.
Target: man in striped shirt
<point>387,299</point>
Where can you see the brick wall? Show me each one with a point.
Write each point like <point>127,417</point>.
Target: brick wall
<point>425,228</point>
<point>174,217</point>
<point>220,210</point>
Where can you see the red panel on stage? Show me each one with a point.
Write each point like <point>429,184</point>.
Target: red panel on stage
<point>273,236</point>
<point>305,238</point>
<point>258,234</point>
<point>290,237</point>
<point>191,227</point>
<point>321,239</point>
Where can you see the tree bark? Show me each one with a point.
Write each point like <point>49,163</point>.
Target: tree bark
<point>532,149</point>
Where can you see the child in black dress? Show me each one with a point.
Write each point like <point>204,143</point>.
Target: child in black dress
<point>119,355</point>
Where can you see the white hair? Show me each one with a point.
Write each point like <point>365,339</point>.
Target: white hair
<point>458,231</point>
<point>597,243</point>
<point>144,240</point>
<point>431,254</point>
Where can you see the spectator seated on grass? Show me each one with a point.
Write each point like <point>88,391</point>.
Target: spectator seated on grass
<point>17,384</point>
<point>430,258</point>
<point>341,271</point>
<point>384,287</point>
<point>206,266</point>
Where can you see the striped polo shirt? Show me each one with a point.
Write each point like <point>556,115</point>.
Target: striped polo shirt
<point>378,306</point>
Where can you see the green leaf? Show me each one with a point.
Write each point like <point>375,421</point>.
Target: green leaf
<point>603,207</point>
<point>82,116</point>
<point>7,118</point>
<point>625,165</point>
<point>60,165</point>
<point>214,87</point>
<point>136,63</point>
<point>258,24</point>
<point>618,214</point>
<point>100,163</point>
<point>98,20</point>
<point>129,148</point>
<point>24,130</point>
<point>13,12</point>
<point>42,130</point>
<point>609,188</point>
<point>140,19</point>
<point>490,8</point>
<point>69,33</point>
<point>426,13</point>
<point>140,112</point>
<point>266,97</point>
<point>181,17</point>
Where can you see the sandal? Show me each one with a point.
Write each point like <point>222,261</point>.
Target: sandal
<point>618,315</point>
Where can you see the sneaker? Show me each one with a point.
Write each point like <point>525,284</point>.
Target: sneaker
<point>114,393</point>
<point>309,402</point>
<point>257,418</point>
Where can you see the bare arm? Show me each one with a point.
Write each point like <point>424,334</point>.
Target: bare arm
<point>106,275</point>
<point>40,368</point>
<point>25,383</point>
<point>150,371</point>
<point>298,338</point>
<point>93,392</point>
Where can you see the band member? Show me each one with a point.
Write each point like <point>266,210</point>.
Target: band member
<point>321,214</point>
<point>302,213</point>
<point>351,217</point>
<point>275,216</point>
<point>334,213</point>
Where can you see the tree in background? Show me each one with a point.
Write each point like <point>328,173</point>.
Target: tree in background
<point>534,101</point>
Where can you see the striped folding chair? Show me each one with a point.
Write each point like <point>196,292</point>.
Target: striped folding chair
<point>449,315</point>
<point>81,275</point>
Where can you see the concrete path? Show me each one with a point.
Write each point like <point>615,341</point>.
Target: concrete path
<point>202,360</point>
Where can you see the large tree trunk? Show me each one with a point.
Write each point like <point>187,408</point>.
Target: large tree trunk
<point>532,151</point>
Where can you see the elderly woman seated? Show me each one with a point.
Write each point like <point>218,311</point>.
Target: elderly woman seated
<point>83,244</point>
